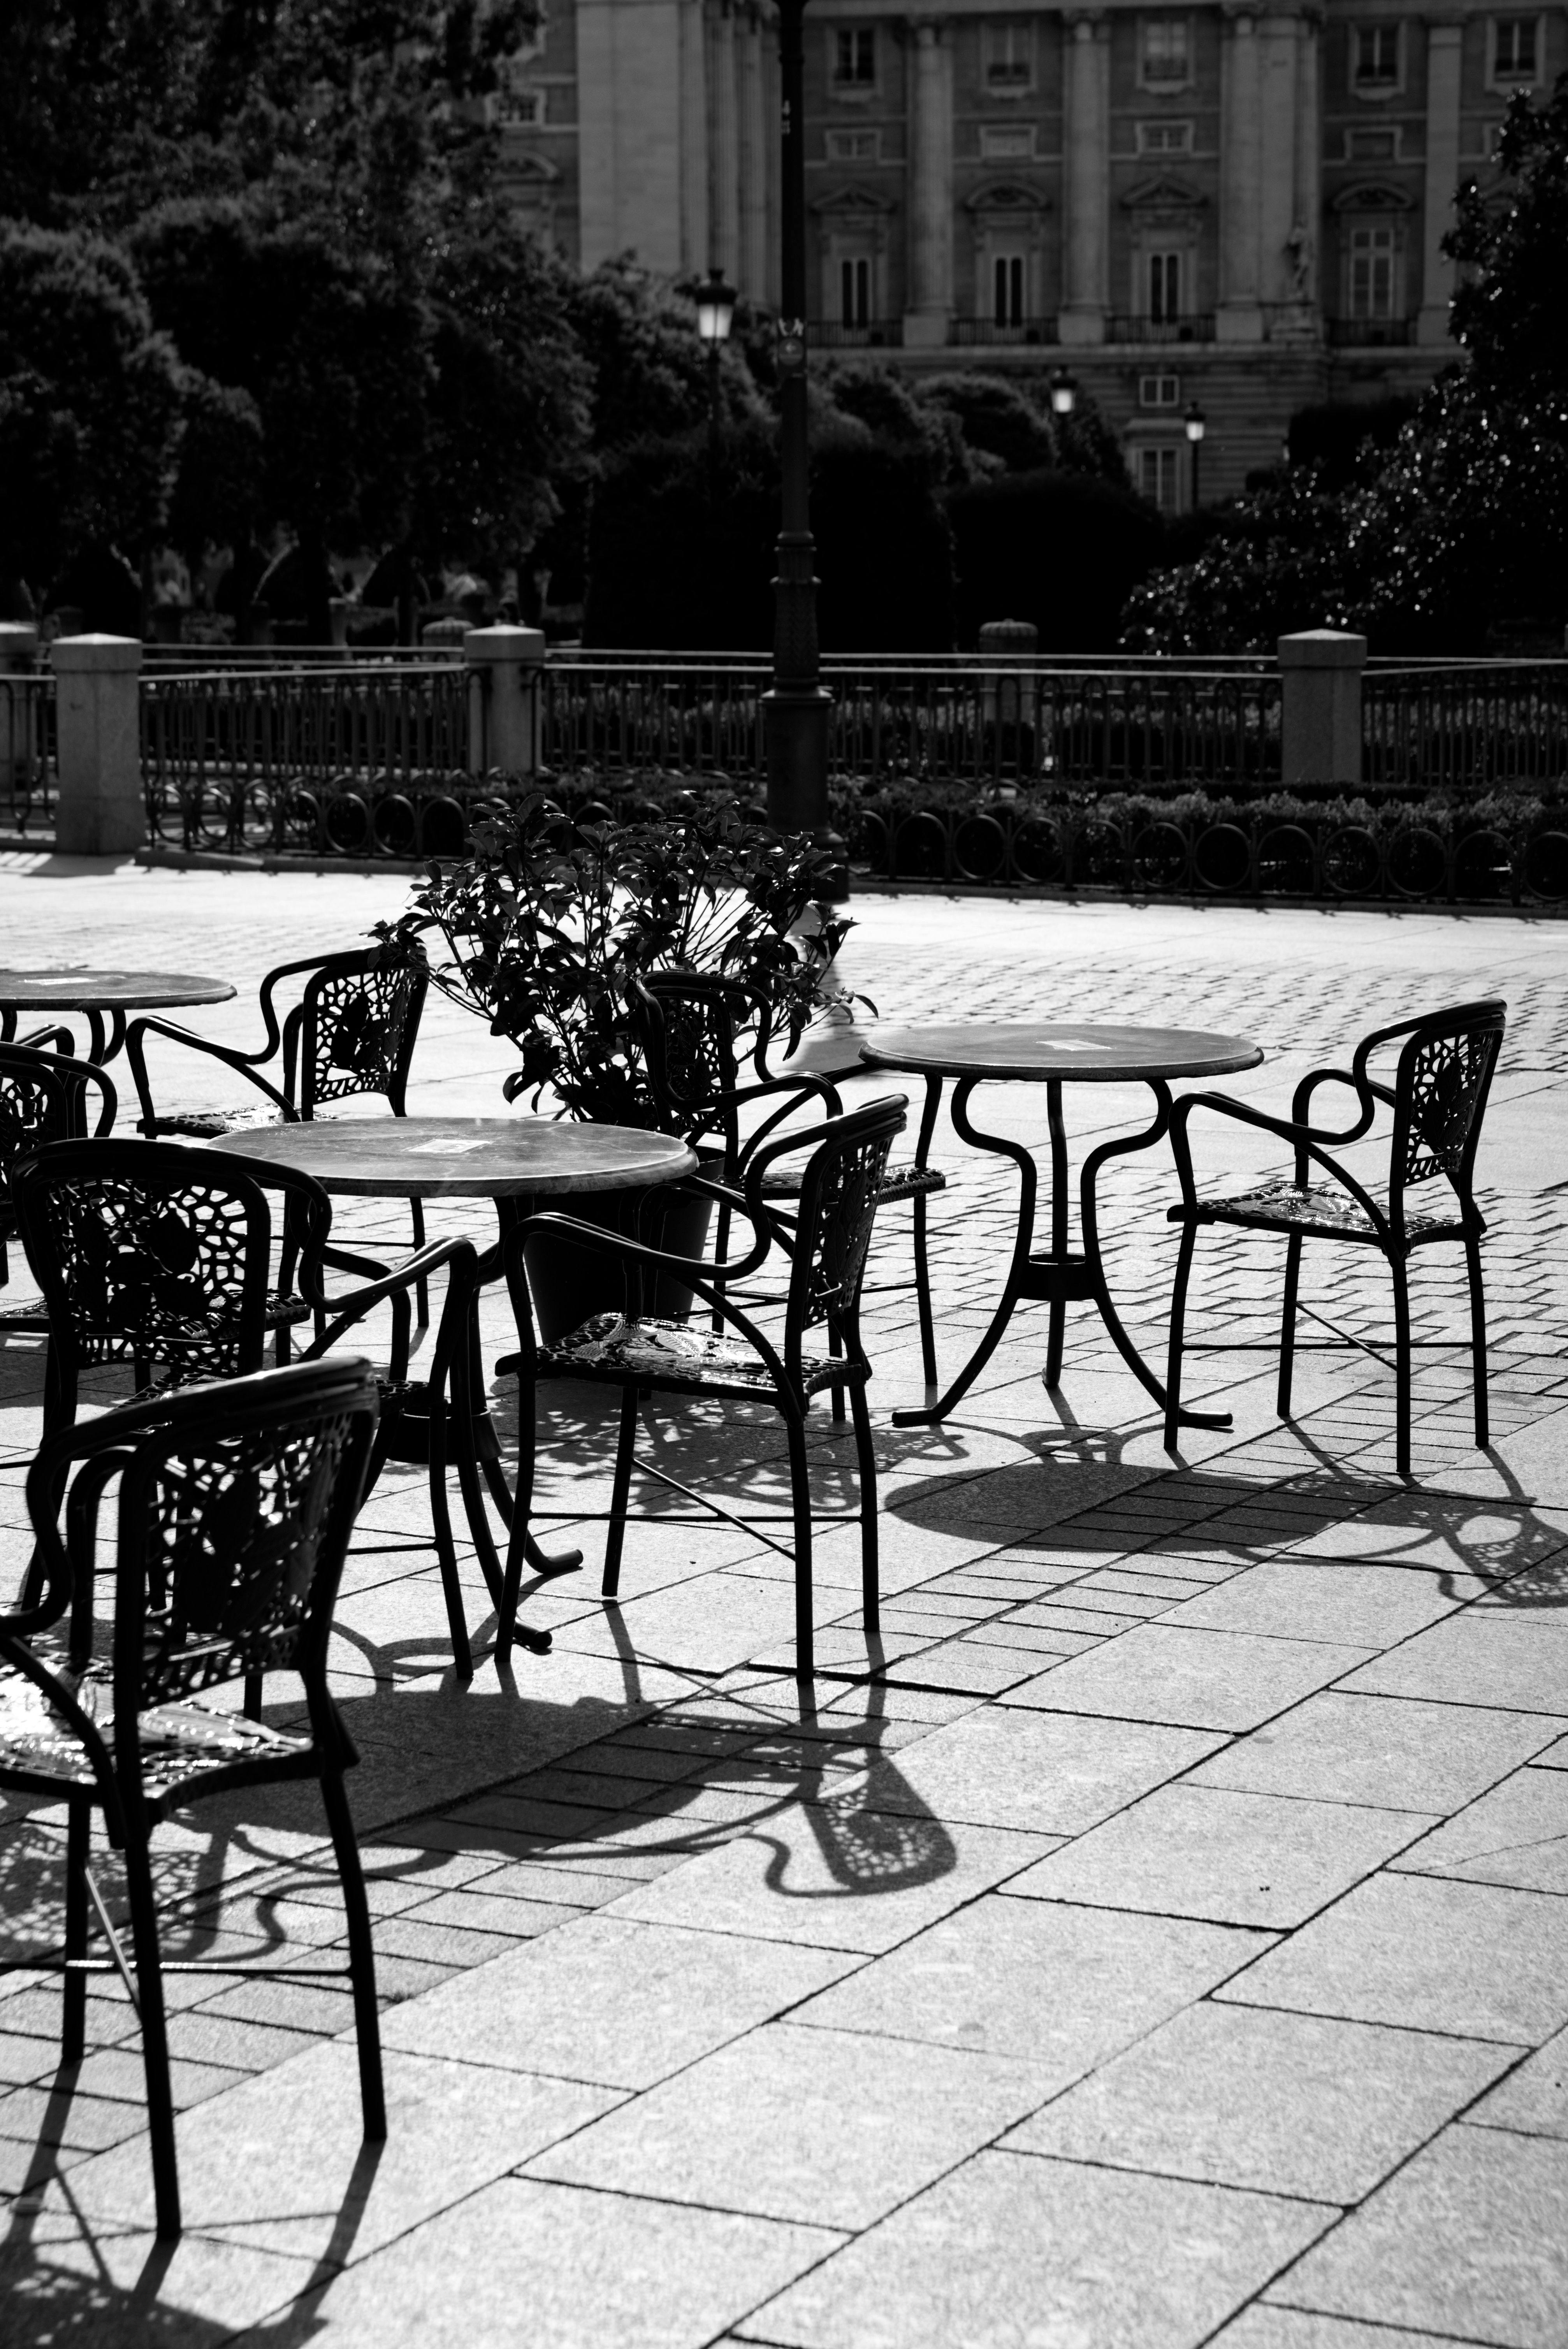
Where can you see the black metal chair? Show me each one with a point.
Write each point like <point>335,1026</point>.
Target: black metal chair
<point>43,1098</point>
<point>235,1507</point>
<point>158,1255</point>
<point>352,1032</point>
<point>1439,1099</point>
<point>826,1239</point>
<point>694,1029</point>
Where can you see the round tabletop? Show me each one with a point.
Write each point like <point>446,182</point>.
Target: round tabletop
<point>465,1157</point>
<point>1064,1051</point>
<point>107,990</point>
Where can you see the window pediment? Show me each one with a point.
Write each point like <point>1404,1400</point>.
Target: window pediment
<point>1373,196</point>
<point>1164,196</point>
<point>853,203</point>
<point>1007,196</point>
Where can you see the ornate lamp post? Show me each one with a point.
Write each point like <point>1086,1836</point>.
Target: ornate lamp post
<point>1197,425</point>
<point>795,709</point>
<point>715,317</point>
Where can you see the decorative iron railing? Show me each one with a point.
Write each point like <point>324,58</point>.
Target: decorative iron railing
<point>1380,849</point>
<point>27,760</point>
<point>354,761</point>
<point>1122,327</point>
<point>993,330</point>
<point>955,720</point>
<point>1467,727</point>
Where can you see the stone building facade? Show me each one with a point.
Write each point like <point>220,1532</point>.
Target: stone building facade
<point>1240,206</point>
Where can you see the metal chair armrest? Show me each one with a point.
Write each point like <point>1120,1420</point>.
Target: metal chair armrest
<point>244,1064</point>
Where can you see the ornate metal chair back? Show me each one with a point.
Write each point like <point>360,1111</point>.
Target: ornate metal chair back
<point>354,1027</point>
<point>837,1206</point>
<point>1440,1096</point>
<point>154,1253</point>
<point>689,1025</point>
<point>235,1511</point>
<point>43,1098</point>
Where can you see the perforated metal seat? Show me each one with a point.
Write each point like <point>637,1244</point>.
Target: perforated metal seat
<point>1437,1100</point>
<point>235,1506</point>
<point>825,1241</point>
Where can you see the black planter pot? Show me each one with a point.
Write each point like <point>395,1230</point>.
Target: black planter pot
<point>568,1281</point>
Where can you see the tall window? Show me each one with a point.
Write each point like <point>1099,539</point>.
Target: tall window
<point>1372,271</point>
<point>1007,49</point>
<point>1375,56</point>
<point>855,291</point>
<point>1007,289</point>
<point>1514,50</point>
<point>1164,286</point>
<point>854,56</point>
<point>1159,477</point>
<point>1164,50</point>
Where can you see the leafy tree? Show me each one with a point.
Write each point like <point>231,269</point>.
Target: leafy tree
<point>995,419</point>
<point>91,401</point>
<point>1458,533</point>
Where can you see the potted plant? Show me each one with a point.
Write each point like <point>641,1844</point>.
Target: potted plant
<point>547,923</point>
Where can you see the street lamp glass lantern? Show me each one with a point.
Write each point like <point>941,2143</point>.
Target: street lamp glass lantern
<point>1197,424</point>
<point>1064,392</point>
<point>715,308</point>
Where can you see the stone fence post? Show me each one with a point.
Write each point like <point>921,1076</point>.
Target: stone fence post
<point>100,810</point>
<point>505,668</point>
<point>1004,702</point>
<point>18,742</point>
<point>1320,707</point>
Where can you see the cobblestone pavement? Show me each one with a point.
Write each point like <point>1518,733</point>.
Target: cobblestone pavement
<point>1166,1947</point>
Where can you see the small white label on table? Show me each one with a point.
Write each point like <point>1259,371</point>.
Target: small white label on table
<point>441,1149</point>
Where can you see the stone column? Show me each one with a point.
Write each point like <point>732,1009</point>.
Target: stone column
<point>772,104</point>
<point>1443,47</point>
<point>1276,38</point>
<point>1320,705</point>
<point>753,274</point>
<point>1239,319</point>
<point>505,669</point>
<point>18,658</point>
<point>99,809</point>
<point>723,144</point>
<point>928,201</point>
<point>1085,163</point>
<point>1308,158</point>
<point>694,138</point>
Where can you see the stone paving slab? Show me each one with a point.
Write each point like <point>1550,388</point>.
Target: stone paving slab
<point>1163,1946</point>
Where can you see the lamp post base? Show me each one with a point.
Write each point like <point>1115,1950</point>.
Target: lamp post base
<point>795,730</point>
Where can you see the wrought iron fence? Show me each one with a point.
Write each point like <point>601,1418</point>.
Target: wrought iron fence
<point>353,761</point>
<point>948,720</point>
<point>1465,725</point>
<point>1392,853</point>
<point>27,753</point>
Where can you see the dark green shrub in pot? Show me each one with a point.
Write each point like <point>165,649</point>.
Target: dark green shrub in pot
<point>547,923</point>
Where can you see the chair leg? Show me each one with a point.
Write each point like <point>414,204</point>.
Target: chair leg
<point>801,1497</point>
<point>1478,1341</point>
<point>441,1526</point>
<point>252,1702</point>
<point>836,1348</point>
<point>1178,1324</point>
<point>74,2016</point>
<point>521,1511</point>
<point>154,2031</point>
<point>1396,1266</point>
<point>620,1494</point>
<point>922,1296</point>
<point>361,1954</point>
<point>1287,1322</point>
<point>866,1458</point>
<point>421,1287</point>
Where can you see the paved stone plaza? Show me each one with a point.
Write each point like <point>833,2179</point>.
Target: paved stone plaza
<point>1169,1946</point>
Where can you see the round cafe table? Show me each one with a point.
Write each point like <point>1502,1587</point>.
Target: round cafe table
<point>102,998</point>
<point>1053,1053</point>
<point>509,1160</point>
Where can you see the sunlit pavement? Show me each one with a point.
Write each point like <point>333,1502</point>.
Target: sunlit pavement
<point>1162,1937</point>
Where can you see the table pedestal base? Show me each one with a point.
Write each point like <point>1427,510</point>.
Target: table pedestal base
<point>1057,1276</point>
